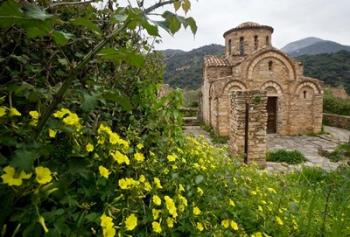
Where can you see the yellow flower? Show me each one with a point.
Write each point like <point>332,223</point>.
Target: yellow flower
<point>157,200</point>
<point>148,186</point>
<point>232,203</point>
<point>34,114</point>
<point>181,188</point>
<point>142,178</point>
<point>271,190</point>
<point>131,222</point>
<point>11,178</point>
<point>72,119</point>
<point>52,133</point>
<point>89,147</point>
<point>139,157</point>
<point>139,146</point>
<point>196,211</point>
<point>253,193</point>
<point>257,234</point>
<point>200,191</point>
<point>107,226</point>
<point>113,138</point>
<point>155,214</point>
<point>120,158</point>
<point>43,175</point>
<point>225,223</point>
<point>61,113</point>
<point>156,227</point>
<point>157,182</point>
<point>3,111</point>
<point>170,205</point>
<point>127,183</point>
<point>183,203</point>
<point>104,172</point>
<point>234,225</point>
<point>170,222</point>
<point>200,226</point>
<point>279,220</point>
<point>171,158</point>
<point>14,112</point>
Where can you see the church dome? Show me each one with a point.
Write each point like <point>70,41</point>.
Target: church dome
<point>249,25</point>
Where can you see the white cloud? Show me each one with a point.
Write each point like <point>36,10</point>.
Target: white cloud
<point>291,19</point>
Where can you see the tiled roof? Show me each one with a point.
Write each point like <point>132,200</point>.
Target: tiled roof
<point>248,25</point>
<point>216,61</point>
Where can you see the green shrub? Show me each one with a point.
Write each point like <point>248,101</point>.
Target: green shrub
<point>335,105</point>
<point>342,152</point>
<point>290,157</point>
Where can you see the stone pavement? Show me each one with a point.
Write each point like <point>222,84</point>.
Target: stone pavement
<point>310,146</point>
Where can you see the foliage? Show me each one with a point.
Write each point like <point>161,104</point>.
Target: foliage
<point>191,98</point>
<point>281,155</point>
<point>332,69</point>
<point>341,152</point>
<point>335,105</point>
<point>184,69</point>
<point>214,137</point>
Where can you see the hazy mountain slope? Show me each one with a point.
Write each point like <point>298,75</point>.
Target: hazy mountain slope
<point>184,69</point>
<point>299,44</point>
<point>313,46</point>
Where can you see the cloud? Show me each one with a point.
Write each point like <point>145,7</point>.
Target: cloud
<point>291,19</point>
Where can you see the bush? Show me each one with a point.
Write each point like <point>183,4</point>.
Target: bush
<point>342,152</point>
<point>335,105</point>
<point>290,157</point>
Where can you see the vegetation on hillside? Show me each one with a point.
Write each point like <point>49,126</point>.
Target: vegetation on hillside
<point>88,149</point>
<point>184,69</point>
<point>332,69</point>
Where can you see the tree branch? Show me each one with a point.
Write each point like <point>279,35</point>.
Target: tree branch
<point>58,97</point>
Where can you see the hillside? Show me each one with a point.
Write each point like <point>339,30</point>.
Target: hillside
<point>184,69</point>
<point>333,69</point>
<point>313,46</point>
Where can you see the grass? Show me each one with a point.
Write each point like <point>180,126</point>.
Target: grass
<point>342,152</point>
<point>290,157</point>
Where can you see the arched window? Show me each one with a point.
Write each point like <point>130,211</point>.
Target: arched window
<point>256,42</point>
<point>270,65</point>
<point>241,46</point>
<point>267,41</point>
<point>229,47</point>
<point>305,94</point>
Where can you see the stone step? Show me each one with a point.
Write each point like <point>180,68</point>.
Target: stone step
<point>191,121</point>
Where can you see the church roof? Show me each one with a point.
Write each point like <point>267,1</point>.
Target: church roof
<point>216,61</point>
<point>248,25</point>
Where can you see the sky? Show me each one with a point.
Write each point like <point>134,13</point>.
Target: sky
<point>291,19</point>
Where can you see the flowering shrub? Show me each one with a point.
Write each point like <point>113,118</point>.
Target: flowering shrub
<point>89,183</point>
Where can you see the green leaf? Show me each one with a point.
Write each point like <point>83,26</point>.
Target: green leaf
<point>24,159</point>
<point>60,37</point>
<point>127,55</point>
<point>193,25</point>
<point>177,5</point>
<point>186,5</point>
<point>199,179</point>
<point>151,29</point>
<point>124,101</point>
<point>10,13</point>
<point>172,23</point>
<point>86,23</point>
<point>89,102</point>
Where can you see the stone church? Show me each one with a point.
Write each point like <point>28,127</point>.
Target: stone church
<point>252,65</point>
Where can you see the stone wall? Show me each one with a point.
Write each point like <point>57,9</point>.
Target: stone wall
<point>335,120</point>
<point>257,120</point>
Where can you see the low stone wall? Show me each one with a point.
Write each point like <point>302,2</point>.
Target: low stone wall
<point>335,120</point>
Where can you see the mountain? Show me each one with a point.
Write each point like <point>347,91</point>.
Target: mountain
<point>184,69</point>
<point>313,46</point>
